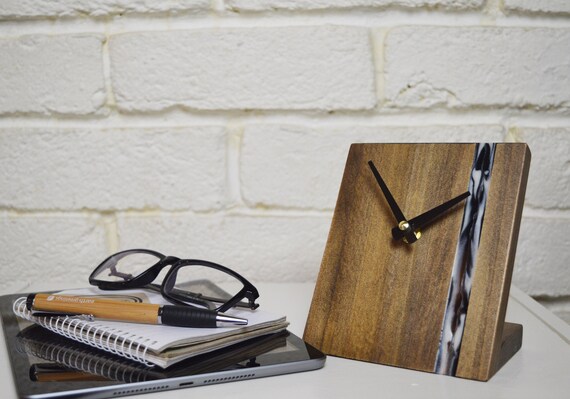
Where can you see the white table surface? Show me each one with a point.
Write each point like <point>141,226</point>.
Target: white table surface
<point>541,369</point>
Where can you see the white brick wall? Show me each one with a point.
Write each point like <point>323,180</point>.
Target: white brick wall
<point>531,6</point>
<point>119,169</point>
<point>265,5</point>
<point>51,74</point>
<point>549,180</point>
<point>219,129</point>
<point>20,9</point>
<point>49,247</point>
<point>477,66</point>
<point>278,68</point>
<point>543,242</point>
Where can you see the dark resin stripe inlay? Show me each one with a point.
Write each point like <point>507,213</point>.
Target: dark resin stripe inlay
<point>464,263</point>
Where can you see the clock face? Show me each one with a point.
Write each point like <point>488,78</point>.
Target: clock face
<point>434,303</point>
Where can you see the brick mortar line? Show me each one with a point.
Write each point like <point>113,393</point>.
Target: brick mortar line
<point>234,132</point>
<point>234,212</point>
<point>110,102</point>
<point>113,116</point>
<point>375,19</point>
<point>112,238</point>
<point>378,45</point>
<point>529,212</point>
<point>421,118</point>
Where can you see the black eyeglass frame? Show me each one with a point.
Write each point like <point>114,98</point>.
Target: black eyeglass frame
<point>145,279</point>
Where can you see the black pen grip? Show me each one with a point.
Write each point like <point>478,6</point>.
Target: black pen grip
<point>185,316</point>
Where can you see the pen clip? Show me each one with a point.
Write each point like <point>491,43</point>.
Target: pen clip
<point>80,316</point>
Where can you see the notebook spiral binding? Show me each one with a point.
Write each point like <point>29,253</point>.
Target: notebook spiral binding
<point>115,341</point>
<point>84,360</point>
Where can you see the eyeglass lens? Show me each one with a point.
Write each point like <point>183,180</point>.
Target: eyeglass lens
<point>126,266</point>
<point>188,282</point>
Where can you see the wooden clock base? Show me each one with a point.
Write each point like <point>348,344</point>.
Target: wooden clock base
<point>511,342</point>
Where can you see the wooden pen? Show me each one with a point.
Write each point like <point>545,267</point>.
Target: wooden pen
<point>134,312</point>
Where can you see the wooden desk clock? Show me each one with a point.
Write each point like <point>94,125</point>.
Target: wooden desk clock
<point>425,291</point>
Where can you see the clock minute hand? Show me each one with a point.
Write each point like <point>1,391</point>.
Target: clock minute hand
<point>404,226</point>
<point>389,197</point>
<point>427,217</point>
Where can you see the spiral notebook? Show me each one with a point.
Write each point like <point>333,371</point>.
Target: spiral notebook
<point>151,344</point>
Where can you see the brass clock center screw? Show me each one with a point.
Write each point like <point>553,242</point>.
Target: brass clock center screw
<point>405,226</point>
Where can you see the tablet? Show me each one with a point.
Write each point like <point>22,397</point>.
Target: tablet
<point>45,364</point>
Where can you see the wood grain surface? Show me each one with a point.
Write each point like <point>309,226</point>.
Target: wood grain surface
<point>101,308</point>
<point>383,301</point>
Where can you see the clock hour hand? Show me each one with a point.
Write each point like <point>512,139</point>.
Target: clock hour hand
<point>427,217</point>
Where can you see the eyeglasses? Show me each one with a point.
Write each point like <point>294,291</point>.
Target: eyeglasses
<point>192,282</point>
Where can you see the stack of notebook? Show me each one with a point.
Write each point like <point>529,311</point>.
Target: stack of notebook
<point>158,345</point>
<point>71,361</point>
